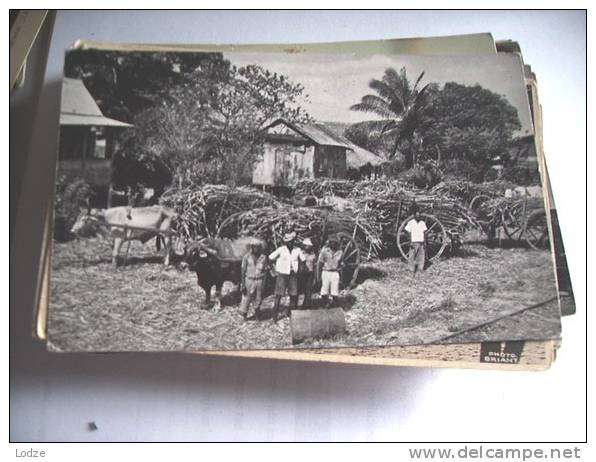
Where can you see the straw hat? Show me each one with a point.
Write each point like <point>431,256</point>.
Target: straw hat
<point>307,242</point>
<point>289,237</point>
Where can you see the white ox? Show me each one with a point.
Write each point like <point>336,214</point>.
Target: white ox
<point>129,224</point>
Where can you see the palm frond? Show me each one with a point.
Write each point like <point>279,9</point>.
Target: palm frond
<point>420,99</point>
<point>400,85</point>
<point>376,105</point>
<point>418,80</point>
<point>388,93</point>
<point>391,126</point>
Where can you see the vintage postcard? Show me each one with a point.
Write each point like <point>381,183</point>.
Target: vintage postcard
<point>237,200</point>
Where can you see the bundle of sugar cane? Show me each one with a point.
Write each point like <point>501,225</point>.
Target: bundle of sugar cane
<point>380,188</point>
<point>465,190</point>
<point>493,209</point>
<point>385,214</point>
<point>322,187</point>
<point>202,209</point>
<point>271,224</point>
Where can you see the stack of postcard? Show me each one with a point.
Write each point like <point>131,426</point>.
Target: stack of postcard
<point>381,202</point>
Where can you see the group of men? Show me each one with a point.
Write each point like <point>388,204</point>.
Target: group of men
<point>294,266</point>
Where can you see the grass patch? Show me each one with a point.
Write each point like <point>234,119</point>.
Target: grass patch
<point>486,289</point>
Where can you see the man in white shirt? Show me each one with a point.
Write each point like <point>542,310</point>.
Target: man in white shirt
<point>328,268</point>
<point>287,262</point>
<point>417,229</point>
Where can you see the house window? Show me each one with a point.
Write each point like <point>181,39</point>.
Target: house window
<point>99,146</point>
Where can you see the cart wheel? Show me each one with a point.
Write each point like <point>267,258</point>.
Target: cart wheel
<point>536,232</point>
<point>477,202</point>
<point>511,219</point>
<point>436,237</point>
<point>350,260</point>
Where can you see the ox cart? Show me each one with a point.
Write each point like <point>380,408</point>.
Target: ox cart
<point>446,220</point>
<point>522,219</point>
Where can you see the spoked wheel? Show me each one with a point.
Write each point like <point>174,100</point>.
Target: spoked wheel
<point>436,237</point>
<point>350,260</point>
<point>536,231</point>
<point>512,221</point>
<point>476,203</point>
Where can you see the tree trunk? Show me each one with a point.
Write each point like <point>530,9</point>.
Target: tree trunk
<point>395,146</point>
<point>409,156</point>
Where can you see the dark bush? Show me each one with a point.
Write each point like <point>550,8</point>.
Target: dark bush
<point>522,174</point>
<point>72,195</point>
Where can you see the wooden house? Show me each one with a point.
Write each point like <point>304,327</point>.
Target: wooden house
<point>87,137</point>
<point>292,152</point>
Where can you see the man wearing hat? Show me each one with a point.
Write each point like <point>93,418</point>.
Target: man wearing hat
<point>287,262</point>
<point>328,267</point>
<point>252,276</point>
<point>309,259</point>
<point>417,229</point>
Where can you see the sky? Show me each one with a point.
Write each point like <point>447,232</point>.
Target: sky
<point>336,81</point>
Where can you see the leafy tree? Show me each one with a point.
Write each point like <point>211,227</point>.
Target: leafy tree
<point>400,107</point>
<point>126,83</point>
<point>210,128</point>
<point>366,135</point>
<point>463,129</point>
<point>196,117</point>
<point>72,194</point>
<point>466,129</point>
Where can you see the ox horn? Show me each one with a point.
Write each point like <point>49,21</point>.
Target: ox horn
<point>210,251</point>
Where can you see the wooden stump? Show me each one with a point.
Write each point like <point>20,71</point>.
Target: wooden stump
<point>316,324</point>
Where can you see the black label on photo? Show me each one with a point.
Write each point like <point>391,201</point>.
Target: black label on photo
<point>501,352</point>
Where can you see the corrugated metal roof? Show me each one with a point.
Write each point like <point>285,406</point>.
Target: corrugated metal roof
<point>79,108</point>
<point>319,133</point>
<point>357,157</point>
<point>98,121</point>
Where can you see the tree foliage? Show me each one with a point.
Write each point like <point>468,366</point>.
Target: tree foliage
<point>197,118</point>
<point>209,129</point>
<point>464,129</point>
<point>125,83</point>
<point>367,135</point>
<point>72,194</point>
<point>467,129</point>
<point>400,107</point>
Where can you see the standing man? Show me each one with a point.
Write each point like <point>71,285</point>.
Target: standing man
<point>252,277</point>
<point>417,229</point>
<point>309,258</point>
<point>287,261</point>
<point>328,267</point>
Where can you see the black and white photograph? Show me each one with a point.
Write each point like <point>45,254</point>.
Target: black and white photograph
<point>241,201</point>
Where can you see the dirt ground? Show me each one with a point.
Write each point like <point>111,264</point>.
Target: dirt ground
<point>146,306</point>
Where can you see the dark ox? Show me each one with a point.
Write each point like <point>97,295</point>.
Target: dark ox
<point>216,261</point>
<point>129,224</point>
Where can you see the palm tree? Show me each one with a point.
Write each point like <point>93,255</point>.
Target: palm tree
<point>400,107</point>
